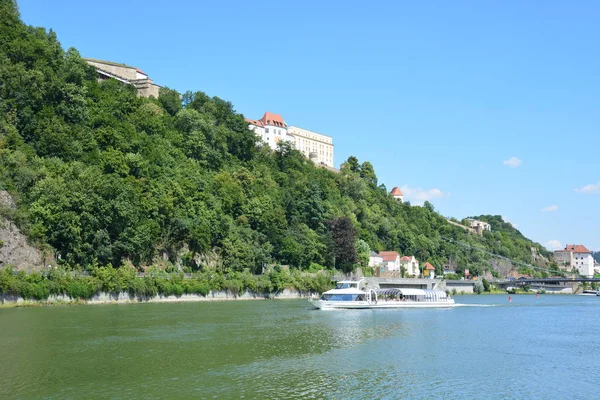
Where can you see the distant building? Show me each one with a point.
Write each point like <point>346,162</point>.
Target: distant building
<point>411,265</point>
<point>397,194</point>
<point>391,260</point>
<point>448,269</point>
<point>429,271</point>
<point>317,147</point>
<point>271,128</point>
<point>575,256</point>
<point>126,74</point>
<point>479,226</point>
<point>375,259</point>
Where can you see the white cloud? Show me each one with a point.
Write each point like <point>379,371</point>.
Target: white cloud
<point>513,162</point>
<point>591,188</point>
<point>551,208</point>
<point>553,245</point>
<point>419,196</point>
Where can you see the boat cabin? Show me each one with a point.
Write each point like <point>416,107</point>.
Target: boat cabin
<point>347,285</point>
<point>415,295</point>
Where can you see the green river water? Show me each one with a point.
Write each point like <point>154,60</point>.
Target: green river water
<point>488,348</point>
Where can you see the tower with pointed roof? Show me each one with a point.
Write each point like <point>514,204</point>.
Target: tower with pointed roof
<point>397,194</point>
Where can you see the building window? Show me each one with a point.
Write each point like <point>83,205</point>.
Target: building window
<point>266,130</point>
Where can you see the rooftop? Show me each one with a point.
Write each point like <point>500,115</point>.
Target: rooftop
<point>575,248</point>
<point>389,255</point>
<point>396,192</point>
<point>109,63</point>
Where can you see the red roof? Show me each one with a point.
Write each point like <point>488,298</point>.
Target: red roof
<point>140,71</point>
<point>254,122</point>
<point>576,248</point>
<point>396,192</point>
<point>268,119</point>
<point>389,255</point>
<point>429,266</point>
<point>406,258</point>
<point>273,119</point>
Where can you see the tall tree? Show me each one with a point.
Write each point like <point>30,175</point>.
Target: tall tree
<point>343,239</point>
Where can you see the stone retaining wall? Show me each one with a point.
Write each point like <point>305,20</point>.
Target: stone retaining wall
<point>125,297</point>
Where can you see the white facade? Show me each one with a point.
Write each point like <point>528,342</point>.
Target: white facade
<point>397,194</point>
<point>271,128</point>
<point>140,75</point>
<point>575,257</point>
<point>584,262</point>
<point>410,264</point>
<point>391,260</point>
<point>315,146</point>
<point>375,259</point>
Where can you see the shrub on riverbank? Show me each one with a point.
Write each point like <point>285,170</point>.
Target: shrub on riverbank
<point>39,286</point>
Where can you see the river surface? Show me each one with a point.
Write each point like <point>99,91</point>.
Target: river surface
<point>487,348</point>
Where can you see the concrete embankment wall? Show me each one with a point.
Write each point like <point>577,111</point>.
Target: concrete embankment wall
<point>125,297</point>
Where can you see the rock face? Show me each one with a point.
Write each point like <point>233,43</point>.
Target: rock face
<point>14,248</point>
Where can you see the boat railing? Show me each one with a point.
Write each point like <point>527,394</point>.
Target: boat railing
<point>372,298</point>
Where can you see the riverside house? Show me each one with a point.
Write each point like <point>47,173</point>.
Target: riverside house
<point>411,265</point>
<point>375,260</point>
<point>391,260</point>
<point>429,271</point>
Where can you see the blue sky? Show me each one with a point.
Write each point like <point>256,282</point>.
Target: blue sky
<point>482,107</point>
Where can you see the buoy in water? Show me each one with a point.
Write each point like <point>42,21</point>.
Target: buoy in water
<point>510,299</point>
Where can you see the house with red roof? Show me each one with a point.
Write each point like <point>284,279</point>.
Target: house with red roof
<point>428,271</point>
<point>397,194</point>
<point>575,257</point>
<point>391,260</point>
<point>411,265</point>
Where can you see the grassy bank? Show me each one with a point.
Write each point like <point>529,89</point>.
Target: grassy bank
<point>38,287</point>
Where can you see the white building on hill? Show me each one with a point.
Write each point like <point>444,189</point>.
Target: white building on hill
<point>575,256</point>
<point>397,194</point>
<point>479,226</point>
<point>271,128</point>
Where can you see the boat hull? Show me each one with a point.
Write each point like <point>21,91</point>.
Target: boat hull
<point>361,305</point>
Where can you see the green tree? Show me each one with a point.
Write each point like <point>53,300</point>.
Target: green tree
<point>343,238</point>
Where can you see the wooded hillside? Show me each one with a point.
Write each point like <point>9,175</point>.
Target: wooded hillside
<point>101,176</point>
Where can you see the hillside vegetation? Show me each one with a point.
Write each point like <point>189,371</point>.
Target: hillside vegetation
<point>102,177</point>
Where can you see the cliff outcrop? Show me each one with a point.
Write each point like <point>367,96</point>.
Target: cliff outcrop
<point>15,250</point>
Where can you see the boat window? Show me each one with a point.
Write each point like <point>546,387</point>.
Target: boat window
<point>342,297</point>
<point>345,285</point>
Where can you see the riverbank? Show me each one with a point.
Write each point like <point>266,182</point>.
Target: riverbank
<point>103,285</point>
<point>9,301</point>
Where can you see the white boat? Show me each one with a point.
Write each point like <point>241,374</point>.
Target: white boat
<point>350,295</point>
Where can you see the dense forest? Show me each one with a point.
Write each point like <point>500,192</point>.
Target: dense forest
<point>103,177</point>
